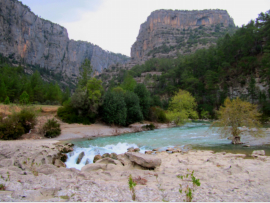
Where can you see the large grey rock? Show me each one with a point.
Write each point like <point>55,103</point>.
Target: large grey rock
<point>27,38</point>
<point>144,160</point>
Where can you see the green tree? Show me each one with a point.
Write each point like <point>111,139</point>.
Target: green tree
<point>134,113</point>
<point>7,100</point>
<point>182,107</point>
<point>3,90</point>
<point>24,98</point>
<point>129,83</point>
<point>94,91</point>
<point>144,97</point>
<point>114,109</point>
<point>235,114</point>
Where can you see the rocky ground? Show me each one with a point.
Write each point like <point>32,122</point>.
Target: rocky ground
<point>34,171</point>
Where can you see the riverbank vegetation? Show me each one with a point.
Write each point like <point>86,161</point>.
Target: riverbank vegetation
<point>237,66</point>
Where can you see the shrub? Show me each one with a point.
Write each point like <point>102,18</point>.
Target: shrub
<point>157,114</point>
<point>69,115</point>
<point>149,127</point>
<point>27,118</point>
<point>51,128</point>
<point>7,100</point>
<point>10,128</point>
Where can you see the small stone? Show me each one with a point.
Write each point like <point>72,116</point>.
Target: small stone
<point>96,158</point>
<point>106,155</point>
<point>136,150</point>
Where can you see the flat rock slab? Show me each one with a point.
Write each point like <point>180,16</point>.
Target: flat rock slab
<point>144,160</point>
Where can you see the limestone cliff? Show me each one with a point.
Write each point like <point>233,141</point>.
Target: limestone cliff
<point>24,37</point>
<point>168,32</point>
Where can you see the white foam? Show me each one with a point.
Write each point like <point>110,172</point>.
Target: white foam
<point>90,153</point>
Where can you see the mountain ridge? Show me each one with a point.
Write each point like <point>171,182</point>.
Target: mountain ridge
<point>29,39</point>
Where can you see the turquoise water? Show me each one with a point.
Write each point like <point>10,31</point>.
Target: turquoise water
<point>191,136</point>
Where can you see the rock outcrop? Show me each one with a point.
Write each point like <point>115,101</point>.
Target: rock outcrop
<point>27,38</point>
<point>167,33</point>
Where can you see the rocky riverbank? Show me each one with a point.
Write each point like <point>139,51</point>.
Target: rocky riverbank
<point>34,171</point>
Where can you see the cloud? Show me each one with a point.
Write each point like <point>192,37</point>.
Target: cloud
<point>62,10</point>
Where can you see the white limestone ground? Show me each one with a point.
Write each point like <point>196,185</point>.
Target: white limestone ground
<point>28,173</point>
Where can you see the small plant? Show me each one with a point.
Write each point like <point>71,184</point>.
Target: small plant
<point>132,185</point>
<point>8,175</point>
<point>2,187</point>
<point>51,128</point>
<point>164,195</point>
<point>187,189</point>
<point>64,197</point>
<point>151,126</point>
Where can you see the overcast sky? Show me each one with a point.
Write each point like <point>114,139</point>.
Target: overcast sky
<point>114,24</point>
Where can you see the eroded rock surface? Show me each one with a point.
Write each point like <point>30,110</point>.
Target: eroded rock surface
<point>223,177</point>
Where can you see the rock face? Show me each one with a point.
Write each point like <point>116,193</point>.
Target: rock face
<point>144,160</point>
<point>167,32</point>
<point>26,38</point>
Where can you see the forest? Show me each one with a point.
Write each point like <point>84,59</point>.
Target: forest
<point>237,61</point>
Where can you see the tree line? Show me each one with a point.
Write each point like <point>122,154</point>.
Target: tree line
<point>208,74</point>
<point>18,87</point>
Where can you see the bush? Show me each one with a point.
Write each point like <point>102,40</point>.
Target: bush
<point>157,114</point>
<point>69,115</point>
<point>10,128</point>
<point>149,127</point>
<point>51,128</point>
<point>27,118</point>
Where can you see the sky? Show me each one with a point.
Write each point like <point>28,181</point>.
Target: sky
<point>114,24</point>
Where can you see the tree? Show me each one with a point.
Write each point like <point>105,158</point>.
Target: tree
<point>129,83</point>
<point>114,109</point>
<point>144,97</point>
<point>24,98</point>
<point>134,113</point>
<point>7,100</point>
<point>182,107</point>
<point>94,92</point>
<point>235,114</point>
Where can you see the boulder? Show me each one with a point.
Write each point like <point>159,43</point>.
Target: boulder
<point>131,149</point>
<point>257,153</point>
<point>114,156</point>
<point>136,150</point>
<point>81,155</point>
<point>106,155</point>
<point>96,158</point>
<point>170,149</point>
<point>59,163</point>
<point>144,160</point>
